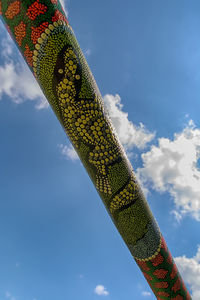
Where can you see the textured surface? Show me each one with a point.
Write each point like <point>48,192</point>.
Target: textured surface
<point>49,46</point>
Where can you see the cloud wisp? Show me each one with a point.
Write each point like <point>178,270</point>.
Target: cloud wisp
<point>146,294</point>
<point>16,80</point>
<point>68,152</point>
<point>172,167</point>
<point>129,134</point>
<point>101,290</point>
<point>190,271</point>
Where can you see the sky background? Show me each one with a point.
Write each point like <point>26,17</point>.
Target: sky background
<point>57,240</point>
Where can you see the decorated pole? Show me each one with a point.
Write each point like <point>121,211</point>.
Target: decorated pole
<point>47,43</point>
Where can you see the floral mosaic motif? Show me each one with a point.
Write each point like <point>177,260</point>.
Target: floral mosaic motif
<point>20,32</point>
<point>13,10</point>
<point>35,9</point>
<point>163,276</point>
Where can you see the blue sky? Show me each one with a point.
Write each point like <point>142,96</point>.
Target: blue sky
<point>57,240</point>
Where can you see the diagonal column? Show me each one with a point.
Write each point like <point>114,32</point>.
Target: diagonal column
<point>48,44</point>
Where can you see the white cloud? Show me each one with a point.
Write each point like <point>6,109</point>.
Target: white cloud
<point>129,134</point>
<point>68,152</point>
<point>101,290</point>
<point>87,52</point>
<point>146,294</point>
<point>177,215</point>
<point>16,80</point>
<point>172,167</point>
<point>190,271</point>
<point>6,47</point>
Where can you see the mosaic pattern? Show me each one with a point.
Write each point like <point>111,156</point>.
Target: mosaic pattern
<point>48,44</point>
<point>163,277</point>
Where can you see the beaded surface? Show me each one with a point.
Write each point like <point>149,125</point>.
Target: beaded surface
<point>47,42</point>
